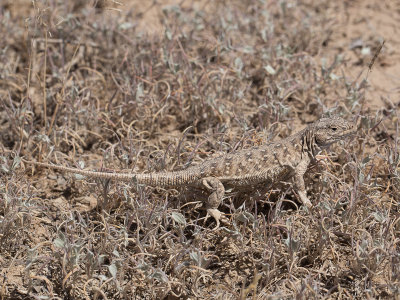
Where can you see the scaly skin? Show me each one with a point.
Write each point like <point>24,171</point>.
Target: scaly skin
<point>266,164</point>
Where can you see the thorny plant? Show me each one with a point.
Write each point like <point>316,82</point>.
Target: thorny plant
<point>81,84</point>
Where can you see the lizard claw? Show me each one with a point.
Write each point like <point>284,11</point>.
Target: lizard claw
<point>216,214</point>
<point>304,199</point>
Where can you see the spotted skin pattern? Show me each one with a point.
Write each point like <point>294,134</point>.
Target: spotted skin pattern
<point>267,164</point>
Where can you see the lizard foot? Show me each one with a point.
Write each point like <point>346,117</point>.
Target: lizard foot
<point>304,199</point>
<point>217,190</point>
<point>217,215</point>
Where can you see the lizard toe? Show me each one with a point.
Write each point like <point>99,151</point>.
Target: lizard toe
<point>304,199</point>
<point>216,214</point>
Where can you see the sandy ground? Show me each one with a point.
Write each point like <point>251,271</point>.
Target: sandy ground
<point>359,29</point>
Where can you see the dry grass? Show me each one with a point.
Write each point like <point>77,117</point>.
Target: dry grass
<point>81,84</point>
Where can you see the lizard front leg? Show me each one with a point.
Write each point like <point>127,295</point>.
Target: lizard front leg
<point>217,191</point>
<point>299,185</point>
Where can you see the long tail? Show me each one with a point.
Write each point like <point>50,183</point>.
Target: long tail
<point>163,179</point>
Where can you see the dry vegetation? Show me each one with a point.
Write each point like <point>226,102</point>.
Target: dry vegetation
<point>84,83</point>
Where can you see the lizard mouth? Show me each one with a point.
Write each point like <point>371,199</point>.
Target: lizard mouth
<point>346,133</point>
<point>352,130</point>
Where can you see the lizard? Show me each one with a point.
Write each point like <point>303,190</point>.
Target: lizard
<point>265,164</point>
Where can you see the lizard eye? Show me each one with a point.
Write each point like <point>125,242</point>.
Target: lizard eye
<point>334,128</point>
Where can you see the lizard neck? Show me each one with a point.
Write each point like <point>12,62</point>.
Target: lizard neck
<point>308,143</point>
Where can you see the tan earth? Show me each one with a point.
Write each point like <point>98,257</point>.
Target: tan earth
<point>359,29</point>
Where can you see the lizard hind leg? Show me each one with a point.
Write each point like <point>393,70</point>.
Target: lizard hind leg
<point>217,192</point>
<point>299,183</point>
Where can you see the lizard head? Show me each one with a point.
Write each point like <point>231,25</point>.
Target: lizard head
<point>329,130</point>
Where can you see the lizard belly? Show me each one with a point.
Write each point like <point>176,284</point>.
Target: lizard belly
<point>267,177</point>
